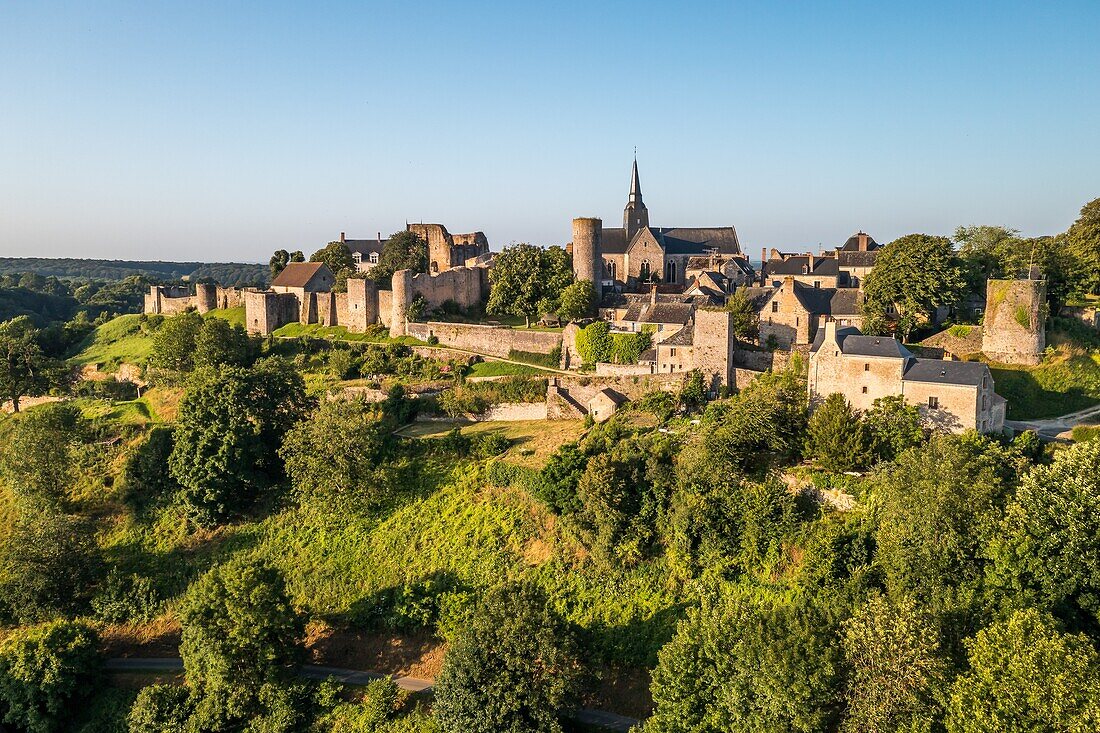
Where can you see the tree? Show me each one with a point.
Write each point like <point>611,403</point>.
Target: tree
<point>986,252</point>
<point>46,672</point>
<point>746,321</point>
<point>594,342</point>
<point>693,395</point>
<point>338,258</point>
<point>281,259</point>
<point>240,630</point>
<point>526,278</point>
<point>160,709</point>
<point>49,565</point>
<point>892,427</point>
<point>835,435</point>
<point>1025,675</point>
<point>1045,550</point>
<point>218,343</point>
<point>577,301</point>
<point>913,276</point>
<point>37,458</point>
<point>937,506</point>
<point>25,371</point>
<point>404,250</point>
<point>513,668</point>
<point>1083,245</point>
<point>231,424</point>
<point>174,342</point>
<point>896,671</point>
<point>748,664</point>
<point>336,449</point>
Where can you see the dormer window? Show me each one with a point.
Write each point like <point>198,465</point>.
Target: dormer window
<point>374,258</point>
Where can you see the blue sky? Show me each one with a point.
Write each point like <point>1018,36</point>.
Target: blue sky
<point>225,130</point>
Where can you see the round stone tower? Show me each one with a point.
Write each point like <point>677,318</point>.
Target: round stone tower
<point>587,254</point>
<point>206,297</point>
<point>402,284</point>
<point>1014,325</point>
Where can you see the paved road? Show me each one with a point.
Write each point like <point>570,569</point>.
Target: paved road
<point>601,718</point>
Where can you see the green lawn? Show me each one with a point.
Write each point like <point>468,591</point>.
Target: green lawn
<point>1056,387</point>
<point>338,333</point>
<point>233,315</point>
<point>502,369</point>
<point>118,341</point>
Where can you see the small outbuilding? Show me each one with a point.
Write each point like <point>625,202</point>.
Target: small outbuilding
<point>604,404</point>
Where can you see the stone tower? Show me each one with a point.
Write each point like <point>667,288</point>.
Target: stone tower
<point>1014,326</point>
<point>635,215</point>
<point>587,256</point>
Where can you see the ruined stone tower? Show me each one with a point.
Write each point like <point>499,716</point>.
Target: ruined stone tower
<point>587,257</point>
<point>635,215</point>
<point>1014,327</point>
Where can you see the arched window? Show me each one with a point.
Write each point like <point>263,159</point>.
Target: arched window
<point>644,272</point>
<point>609,267</point>
<point>670,272</point>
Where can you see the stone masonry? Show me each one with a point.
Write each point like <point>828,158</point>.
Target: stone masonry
<point>1014,326</point>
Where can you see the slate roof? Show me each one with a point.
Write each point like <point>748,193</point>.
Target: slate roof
<point>824,266</point>
<point>676,240</point>
<point>610,394</point>
<point>855,343</point>
<point>758,296</point>
<point>365,246</point>
<point>852,244</point>
<point>946,372</point>
<point>847,258</point>
<point>684,337</point>
<point>659,312</point>
<point>649,355</point>
<point>298,274</point>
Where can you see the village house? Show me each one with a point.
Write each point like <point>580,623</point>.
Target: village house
<point>790,313</point>
<point>951,395</point>
<point>845,267</point>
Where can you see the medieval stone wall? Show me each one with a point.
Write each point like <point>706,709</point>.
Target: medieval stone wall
<point>266,311</point>
<point>714,346</point>
<point>491,340</point>
<point>1014,325</point>
<point>172,299</point>
<point>567,397</point>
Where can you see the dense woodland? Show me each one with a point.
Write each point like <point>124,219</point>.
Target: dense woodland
<point>705,565</point>
<point>224,273</point>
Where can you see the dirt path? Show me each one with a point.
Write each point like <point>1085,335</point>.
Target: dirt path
<point>1053,427</point>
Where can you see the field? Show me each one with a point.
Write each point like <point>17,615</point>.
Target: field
<point>532,440</point>
<point>503,369</point>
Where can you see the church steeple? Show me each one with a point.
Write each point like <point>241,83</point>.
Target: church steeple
<point>635,215</point>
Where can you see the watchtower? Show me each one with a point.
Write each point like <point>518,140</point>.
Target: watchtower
<point>587,255</point>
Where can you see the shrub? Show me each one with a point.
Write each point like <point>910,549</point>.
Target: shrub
<point>45,671</point>
<point>145,478</point>
<point>160,708</point>
<point>124,598</point>
<point>488,445</point>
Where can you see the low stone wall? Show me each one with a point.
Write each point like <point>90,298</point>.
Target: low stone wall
<point>567,397</point>
<point>744,377</point>
<point>440,353</point>
<point>760,360</point>
<point>493,340</point>
<point>622,370</point>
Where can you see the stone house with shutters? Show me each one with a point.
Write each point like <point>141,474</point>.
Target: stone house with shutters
<point>950,395</point>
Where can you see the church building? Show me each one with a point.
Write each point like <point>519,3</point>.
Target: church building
<point>638,254</point>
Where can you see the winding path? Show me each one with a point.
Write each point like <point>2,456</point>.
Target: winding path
<point>1051,428</point>
<point>599,718</point>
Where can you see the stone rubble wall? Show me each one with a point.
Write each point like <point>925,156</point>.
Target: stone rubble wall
<point>492,340</point>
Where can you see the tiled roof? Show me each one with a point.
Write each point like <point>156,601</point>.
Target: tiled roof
<point>297,274</point>
<point>613,241</point>
<point>684,337</point>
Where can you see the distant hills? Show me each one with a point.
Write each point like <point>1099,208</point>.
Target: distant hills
<point>225,273</point>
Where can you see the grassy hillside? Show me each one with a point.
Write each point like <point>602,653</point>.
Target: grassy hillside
<point>1058,386</point>
<point>119,341</point>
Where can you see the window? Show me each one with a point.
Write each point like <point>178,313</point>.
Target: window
<point>610,266</point>
<point>864,390</point>
<point>374,258</point>
<point>933,403</point>
<point>866,367</point>
<point>775,307</point>
<point>817,283</point>
<point>672,352</point>
<point>670,272</point>
<point>644,271</point>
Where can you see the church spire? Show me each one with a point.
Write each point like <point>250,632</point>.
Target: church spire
<point>635,215</point>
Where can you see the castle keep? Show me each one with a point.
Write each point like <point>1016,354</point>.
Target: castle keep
<point>1014,326</point>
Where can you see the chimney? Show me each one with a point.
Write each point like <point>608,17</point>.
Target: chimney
<point>830,332</point>
<point>653,295</point>
<point>763,266</point>
<point>862,239</point>
<point>810,262</point>
<point>379,236</point>
<point>341,237</point>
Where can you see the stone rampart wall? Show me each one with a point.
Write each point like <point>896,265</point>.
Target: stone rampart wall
<point>622,370</point>
<point>491,340</point>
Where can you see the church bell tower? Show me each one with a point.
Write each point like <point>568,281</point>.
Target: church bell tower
<point>635,215</point>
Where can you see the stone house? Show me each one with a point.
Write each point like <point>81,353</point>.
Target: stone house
<point>845,267</point>
<point>707,344</point>
<point>365,252</point>
<point>791,312</point>
<point>951,395</point>
<point>445,250</point>
<point>604,404</point>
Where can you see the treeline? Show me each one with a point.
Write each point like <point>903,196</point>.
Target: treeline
<point>224,273</point>
<point>48,299</point>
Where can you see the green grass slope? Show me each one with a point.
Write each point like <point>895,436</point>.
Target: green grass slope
<point>120,340</point>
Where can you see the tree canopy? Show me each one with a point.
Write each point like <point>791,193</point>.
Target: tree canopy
<point>25,370</point>
<point>404,250</point>
<point>912,277</point>
<point>528,281</point>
